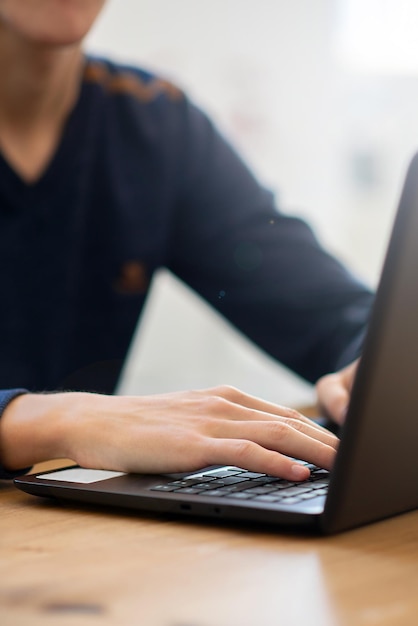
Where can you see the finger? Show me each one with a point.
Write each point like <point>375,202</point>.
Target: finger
<point>264,410</point>
<point>269,432</point>
<point>255,458</point>
<point>281,437</point>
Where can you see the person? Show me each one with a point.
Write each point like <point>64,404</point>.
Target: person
<point>106,174</point>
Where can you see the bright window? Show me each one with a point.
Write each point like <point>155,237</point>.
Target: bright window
<point>378,36</point>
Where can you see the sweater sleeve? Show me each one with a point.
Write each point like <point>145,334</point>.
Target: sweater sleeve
<point>263,270</point>
<point>6,396</point>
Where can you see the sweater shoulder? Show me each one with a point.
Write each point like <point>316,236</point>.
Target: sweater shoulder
<point>134,83</point>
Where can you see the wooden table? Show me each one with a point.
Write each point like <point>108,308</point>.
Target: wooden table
<point>65,565</point>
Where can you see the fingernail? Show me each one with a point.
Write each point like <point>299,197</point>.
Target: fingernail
<point>301,472</point>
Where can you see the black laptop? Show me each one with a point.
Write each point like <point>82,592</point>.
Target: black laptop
<point>375,475</point>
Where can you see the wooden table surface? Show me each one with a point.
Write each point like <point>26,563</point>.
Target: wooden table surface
<point>64,564</point>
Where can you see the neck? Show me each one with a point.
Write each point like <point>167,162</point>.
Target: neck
<point>39,84</point>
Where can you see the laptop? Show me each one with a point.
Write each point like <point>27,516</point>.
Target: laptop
<point>375,475</point>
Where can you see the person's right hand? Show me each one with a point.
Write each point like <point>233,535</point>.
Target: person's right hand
<point>175,432</point>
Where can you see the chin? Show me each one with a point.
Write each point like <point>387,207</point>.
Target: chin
<point>50,22</point>
<point>62,38</point>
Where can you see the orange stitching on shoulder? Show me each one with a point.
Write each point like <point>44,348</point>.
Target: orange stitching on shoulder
<point>123,83</point>
<point>126,82</point>
<point>95,72</point>
<point>145,92</point>
<point>170,89</point>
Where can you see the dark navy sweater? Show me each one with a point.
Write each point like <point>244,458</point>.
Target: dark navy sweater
<point>141,180</point>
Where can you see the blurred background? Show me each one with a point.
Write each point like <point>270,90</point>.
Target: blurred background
<point>321,98</point>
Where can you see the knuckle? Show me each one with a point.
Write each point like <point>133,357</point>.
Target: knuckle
<point>281,430</point>
<point>296,424</point>
<point>229,392</point>
<point>293,414</point>
<point>244,449</point>
<point>214,405</point>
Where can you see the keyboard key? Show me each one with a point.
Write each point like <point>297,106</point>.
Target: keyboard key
<point>309,495</point>
<point>251,475</point>
<point>234,488</point>
<point>320,472</point>
<point>233,480</point>
<point>240,495</point>
<point>265,498</point>
<point>286,483</point>
<point>295,491</point>
<point>223,473</point>
<point>185,483</point>
<point>203,485</point>
<point>260,490</point>
<point>320,483</point>
<point>178,483</point>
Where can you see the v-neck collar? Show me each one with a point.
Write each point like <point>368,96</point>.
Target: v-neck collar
<point>12,183</point>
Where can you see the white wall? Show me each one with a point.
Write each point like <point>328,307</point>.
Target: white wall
<point>332,142</point>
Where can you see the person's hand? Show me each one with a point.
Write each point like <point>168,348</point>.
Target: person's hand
<point>175,432</point>
<point>333,392</point>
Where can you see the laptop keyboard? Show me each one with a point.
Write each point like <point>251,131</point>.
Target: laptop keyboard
<point>239,484</point>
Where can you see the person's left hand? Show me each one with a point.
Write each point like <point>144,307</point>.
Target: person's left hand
<point>333,392</point>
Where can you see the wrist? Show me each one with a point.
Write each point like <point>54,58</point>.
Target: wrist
<point>33,428</point>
